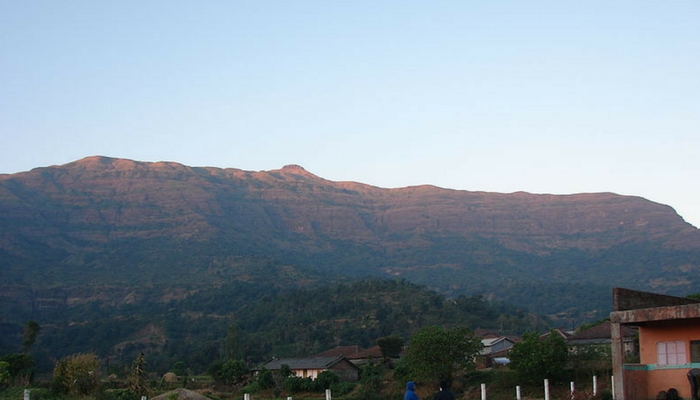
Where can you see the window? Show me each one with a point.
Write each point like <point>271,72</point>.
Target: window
<point>695,351</point>
<point>671,353</point>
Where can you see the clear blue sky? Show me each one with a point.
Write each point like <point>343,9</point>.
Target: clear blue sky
<point>538,96</point>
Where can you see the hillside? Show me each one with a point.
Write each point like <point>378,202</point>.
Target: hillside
<point>123,223</point>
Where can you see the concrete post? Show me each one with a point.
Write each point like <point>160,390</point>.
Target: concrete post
<point>618,359</point>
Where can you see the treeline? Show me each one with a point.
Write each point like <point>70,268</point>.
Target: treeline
<point>254,322</point>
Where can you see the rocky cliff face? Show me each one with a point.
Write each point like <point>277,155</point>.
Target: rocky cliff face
<point>101,218</point>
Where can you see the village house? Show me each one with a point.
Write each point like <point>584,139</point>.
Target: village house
<point>669,343</point>
<point>496,347</point>
<point>355,354</point>
<point>601,335</point>
<point>310,367</point>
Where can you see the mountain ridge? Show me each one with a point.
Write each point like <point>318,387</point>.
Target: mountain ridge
<point>99,219</point>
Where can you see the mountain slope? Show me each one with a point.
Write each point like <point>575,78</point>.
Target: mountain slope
<point>116,221</point>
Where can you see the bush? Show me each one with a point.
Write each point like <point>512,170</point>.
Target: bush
<point>342,388</point>
<point>326,379</point>
<point>295,384</point>
<point>252,387</point>
<point>265,379</point>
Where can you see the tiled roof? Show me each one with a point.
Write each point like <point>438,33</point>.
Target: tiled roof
<point>345,351</point>
<point>351,352</point>
<point>602,331</point>
<point>303,363</point>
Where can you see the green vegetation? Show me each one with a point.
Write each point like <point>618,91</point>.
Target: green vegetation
<point>253,322</point>
<point>436,353</point>
<point>538,358</point>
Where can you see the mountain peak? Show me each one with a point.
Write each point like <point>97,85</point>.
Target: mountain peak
<point>295,170</point>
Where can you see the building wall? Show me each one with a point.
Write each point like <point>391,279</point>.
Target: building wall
<point>636,385</point>
<point>346,371</point>
<point>307,373</point>
<point>649,336</point>
<point>652,377</point>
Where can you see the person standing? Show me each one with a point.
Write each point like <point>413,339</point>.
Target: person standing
<point>445,393</point>
<point>410,391</point>
<point>693,376</point>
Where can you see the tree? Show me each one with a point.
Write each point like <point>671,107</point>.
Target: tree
<point>327,378</point>
<point>138,382</point>
<point>234,372</point>
<point>231,347</point>
<point>31,331</point>
<point>436,353</point>
<point>265,379</point>
<point>4,372</point>
<point>77,374</point>
<point>179,368</point>
<point>21,367</point>
<point>537,359</point>
<point>390,346</point>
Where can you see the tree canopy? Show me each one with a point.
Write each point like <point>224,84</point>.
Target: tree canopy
<point>436,353</point>
<point>537,358</point>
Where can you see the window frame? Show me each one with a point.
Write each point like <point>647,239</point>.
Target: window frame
<point>671,353</point>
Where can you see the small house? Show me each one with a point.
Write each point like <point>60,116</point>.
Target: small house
<point>311,367</point>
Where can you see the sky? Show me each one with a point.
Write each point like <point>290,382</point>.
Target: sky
<point>554,97</point>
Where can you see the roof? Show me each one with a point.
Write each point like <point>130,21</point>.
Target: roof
<point>304,363</point>
<point>491,341</point>
<point>351,352</point>
<point>484,333</point>
<point>559,331</point>
<point>600,332</point>
<point>373,352</point>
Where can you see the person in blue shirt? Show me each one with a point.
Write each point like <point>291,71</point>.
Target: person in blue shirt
<point>410,391</point>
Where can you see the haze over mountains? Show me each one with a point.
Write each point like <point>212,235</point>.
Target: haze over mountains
<point>120,223</point>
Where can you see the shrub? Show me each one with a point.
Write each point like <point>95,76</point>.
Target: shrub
<point>326,379</point>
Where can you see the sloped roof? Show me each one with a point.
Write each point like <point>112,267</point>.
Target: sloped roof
<point>345,351</point>
<point>374,352</point>
<point>304,363</point>
<point>351,352</point>
<point>491,341</point>
<point>559,331</point>
<point>601,332</point>
<point>485,333</point>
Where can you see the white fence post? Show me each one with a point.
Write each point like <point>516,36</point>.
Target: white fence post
<point>246,396</point>
<point>483,391</point>
<point>546,389</point>
<point>612,386</point>
<point>595,385</point>
<point>517,393</point>
<point>572,391</point>
<point>26,394</point>
<point>328,394</point>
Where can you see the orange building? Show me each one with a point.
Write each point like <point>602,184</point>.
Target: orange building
<point>669,343</point>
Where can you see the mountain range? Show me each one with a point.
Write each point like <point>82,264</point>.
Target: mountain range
<point>91,229</point>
